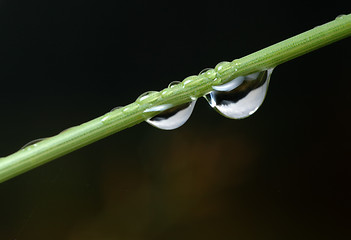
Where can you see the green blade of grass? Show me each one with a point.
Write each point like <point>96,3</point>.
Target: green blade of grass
<point>192,87</point>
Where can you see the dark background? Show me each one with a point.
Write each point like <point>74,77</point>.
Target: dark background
<point>283,173</point>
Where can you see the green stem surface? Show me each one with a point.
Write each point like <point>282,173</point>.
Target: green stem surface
<point>192,87</point>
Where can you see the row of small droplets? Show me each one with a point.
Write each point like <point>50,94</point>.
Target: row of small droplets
<point>151,100</point>
<point>213,76</point>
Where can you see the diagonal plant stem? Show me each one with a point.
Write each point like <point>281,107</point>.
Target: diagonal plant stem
<point>192,87</point>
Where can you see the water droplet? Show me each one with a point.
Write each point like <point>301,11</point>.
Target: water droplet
<point>230,85</point>
<point>33,142</point>
<point>221,65</point>
<point>115,108</point>
<point>105,118</point>
<point>236,64</point>
<point>341,16</point>
<point>208,73</point>
<point>166,92</point>
<point>159,108</point>
<point>70,128</point>
<point>173,117</point>
<point>130,108</point>
<point>242,96</point>
<point>224,70</point>
<point>204,70</point>
<point>173,84</point>
<point>150,96</point>
<point>190,80</point>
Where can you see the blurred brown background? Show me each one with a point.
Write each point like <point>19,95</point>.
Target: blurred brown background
<point>283,173</point>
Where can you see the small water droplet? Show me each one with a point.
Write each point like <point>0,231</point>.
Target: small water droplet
<point>147,96</point>
<point>216,81</point>
<point>204,70</point>
<point>173,84</point>
<point>70,128</point>
<point>173,117</point>
<point>115,108</point>
<point>341,16</point>
<point>190,80</point>
<point>105,118</point>
<point>130,108</point>
<point>236,64</point>
<point>242,96</point>
<point>221,65</point>
<point>223,69</point>
<point>209,73</point>
<point>166,92</point>
<point>33,142</point>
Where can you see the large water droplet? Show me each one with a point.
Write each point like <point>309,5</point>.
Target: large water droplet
<point>172,117</point>
<point>242,96</point>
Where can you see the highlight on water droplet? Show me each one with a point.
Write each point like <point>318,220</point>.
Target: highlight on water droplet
<point>105,118</point>
<point>230,85</point>
<point>171,117</point>
<point>130,108</point>
<point>159,108</point>
<point>240,97</point>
